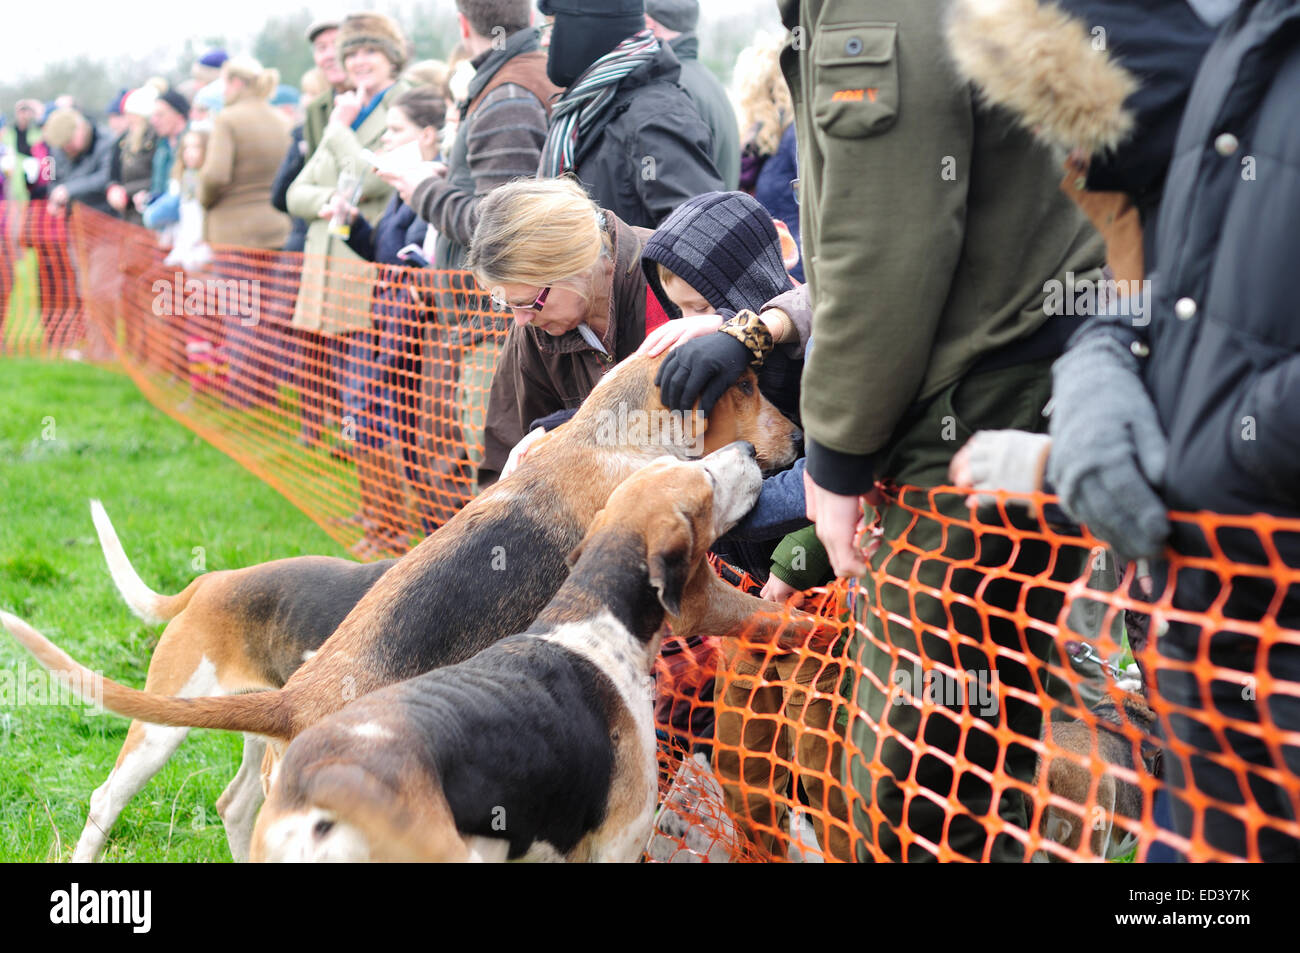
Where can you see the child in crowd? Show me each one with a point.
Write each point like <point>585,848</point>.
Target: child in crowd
<point>189,250</point>
<point>720,254</point>
<point>178,215</point>
<point>712,263</point>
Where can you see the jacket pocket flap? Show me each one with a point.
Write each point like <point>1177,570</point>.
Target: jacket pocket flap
<point>852,43</point>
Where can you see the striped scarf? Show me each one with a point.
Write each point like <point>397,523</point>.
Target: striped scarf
<point>579,111</point>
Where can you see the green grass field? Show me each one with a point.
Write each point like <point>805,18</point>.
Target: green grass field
<point>69,432</point>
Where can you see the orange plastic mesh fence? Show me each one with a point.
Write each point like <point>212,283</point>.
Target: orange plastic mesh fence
<point>365,409</point>
<point>961,703</point>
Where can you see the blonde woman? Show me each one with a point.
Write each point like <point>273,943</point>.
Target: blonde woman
<point>248,139</point>
<point>570,275</point>
<point>427,73</point>
<point>769,152</point>
<point>132,165</point>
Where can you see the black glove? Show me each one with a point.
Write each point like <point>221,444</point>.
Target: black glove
<point>551,421</point>
<point>701,369</point>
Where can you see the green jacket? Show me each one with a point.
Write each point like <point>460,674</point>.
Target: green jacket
<point>333,293</point>
<point>315,118</point>
<point>930,225</point>
<point>801,561</point>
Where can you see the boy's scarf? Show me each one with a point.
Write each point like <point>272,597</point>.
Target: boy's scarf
<point>582,106</point>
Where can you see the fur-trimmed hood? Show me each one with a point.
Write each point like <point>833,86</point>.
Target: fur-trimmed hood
<point>1047,67</point>
<point>1069,71</point>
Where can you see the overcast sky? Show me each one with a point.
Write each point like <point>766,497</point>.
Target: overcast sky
<point>68,28</point>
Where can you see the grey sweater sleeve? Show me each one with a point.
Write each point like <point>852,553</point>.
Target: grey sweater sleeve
<point>797,304</point>
<point>504,138</point>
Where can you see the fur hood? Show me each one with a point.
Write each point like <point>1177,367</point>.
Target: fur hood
<point>1040,63</point>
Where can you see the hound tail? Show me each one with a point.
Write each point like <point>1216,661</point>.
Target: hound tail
<point>262,713</point>
<point>151,607</point>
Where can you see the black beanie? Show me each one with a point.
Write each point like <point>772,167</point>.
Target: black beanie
<point>722,244</point>
<point>584,31</point>
<point>177,102</point>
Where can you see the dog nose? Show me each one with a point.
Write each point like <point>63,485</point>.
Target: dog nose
<point>748,447</point>
<point>797,439</point>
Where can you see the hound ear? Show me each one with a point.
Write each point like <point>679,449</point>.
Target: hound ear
<point>571,560</point>
<point>668,556</point>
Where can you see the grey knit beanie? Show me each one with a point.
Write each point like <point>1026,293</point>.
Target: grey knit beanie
<point>722,244</point>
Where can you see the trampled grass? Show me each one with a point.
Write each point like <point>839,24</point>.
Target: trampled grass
<point>69,432</point>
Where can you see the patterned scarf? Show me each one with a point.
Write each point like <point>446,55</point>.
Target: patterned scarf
<point>579,111</point>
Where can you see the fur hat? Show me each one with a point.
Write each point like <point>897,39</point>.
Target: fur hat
<point>1040,63</point>
<point>373,29</point>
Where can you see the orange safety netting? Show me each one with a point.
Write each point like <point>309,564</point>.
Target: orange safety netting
<point>913,728</point>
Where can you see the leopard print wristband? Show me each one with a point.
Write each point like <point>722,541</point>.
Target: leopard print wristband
<point>750,330</point>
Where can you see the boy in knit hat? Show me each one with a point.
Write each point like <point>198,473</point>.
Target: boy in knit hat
<point>717,256</point>
<point>712,262</point>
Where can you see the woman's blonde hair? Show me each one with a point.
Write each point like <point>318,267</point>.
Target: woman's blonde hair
<point>536,232</point>
<point>261,82</point>
<point>428,73</point>
<point>136,133</point>
<point>760,95</point>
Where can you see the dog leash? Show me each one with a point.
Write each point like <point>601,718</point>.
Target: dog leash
<point>1081,652</point>
<point>1151,752</point>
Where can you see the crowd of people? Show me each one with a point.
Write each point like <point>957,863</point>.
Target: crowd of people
<point>910,163</point>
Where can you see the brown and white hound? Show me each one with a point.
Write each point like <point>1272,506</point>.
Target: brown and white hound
<point>542,746</point>
<point>484,575</point>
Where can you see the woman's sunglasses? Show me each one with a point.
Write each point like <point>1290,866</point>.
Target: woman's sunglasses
<point>503,305</point>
